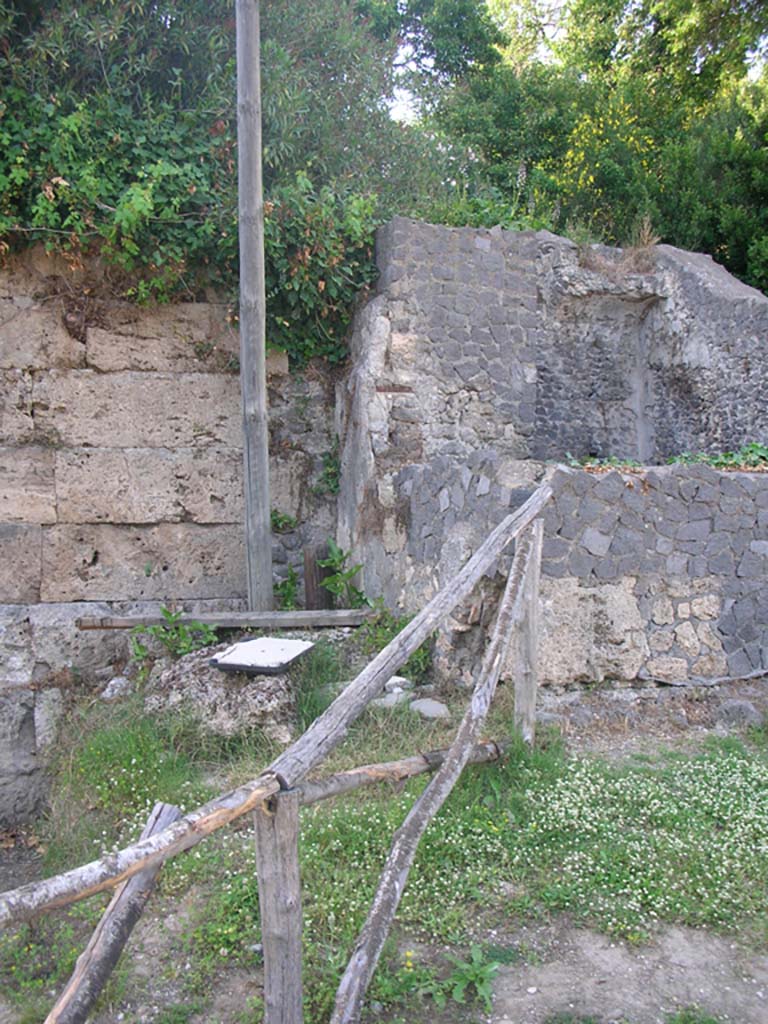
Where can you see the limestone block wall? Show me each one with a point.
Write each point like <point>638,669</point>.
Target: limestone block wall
<point>121,452</point>
<point>485,353</point>
<point>121,488</point>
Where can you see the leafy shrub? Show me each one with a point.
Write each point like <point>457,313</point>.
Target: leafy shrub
<point>339,582</point>
<point>757,263</point>
<point>117,141</point>
<point>320,255</point>
<point>484,207</point>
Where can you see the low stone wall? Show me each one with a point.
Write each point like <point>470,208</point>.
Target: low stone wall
<point>655,575</point>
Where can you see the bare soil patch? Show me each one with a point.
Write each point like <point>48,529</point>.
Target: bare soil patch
<point>586,974</point>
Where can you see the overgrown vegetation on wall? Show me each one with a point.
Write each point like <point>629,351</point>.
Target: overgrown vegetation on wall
<point>117,135</point>
<point>118,141</point>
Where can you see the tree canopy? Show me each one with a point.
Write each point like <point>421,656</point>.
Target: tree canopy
<point>117,134</point>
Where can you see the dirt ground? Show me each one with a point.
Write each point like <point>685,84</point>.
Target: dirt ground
<point>587,974</point>
<point>565,970</point>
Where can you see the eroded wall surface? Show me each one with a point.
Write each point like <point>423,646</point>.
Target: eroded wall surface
<point>486,353</point>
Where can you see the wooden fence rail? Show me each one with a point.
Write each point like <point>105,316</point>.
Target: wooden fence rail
<point>96,963</point>
<point>274,796</point>
<point>365,957</point>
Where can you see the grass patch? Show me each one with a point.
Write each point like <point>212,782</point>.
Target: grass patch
<point>316,676</point>
<point>621,847</point>
<point>692,1015</point>
<point>682,841</point>
<point>381,629</point>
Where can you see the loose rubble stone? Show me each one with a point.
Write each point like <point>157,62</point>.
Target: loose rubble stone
<point>739,714</point>
<point>391,699</point>
<point>224,704</point>
<point>118,686</point>
<point>429,708</point>
<point>397,683</point>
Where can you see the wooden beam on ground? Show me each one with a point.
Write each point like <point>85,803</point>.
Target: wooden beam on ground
<point>312,791</point>
<point>392,882</point>
<point>100,956</point>
<point>277,859</point>
<point>313,619</point>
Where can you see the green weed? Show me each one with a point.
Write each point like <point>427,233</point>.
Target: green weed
<point>287,591</point>
<point>475,974</point>
<point>316,677</point>
<point>340,581</point>
<point>281,522</point>
<point>752,456</point>
<point>382,628</point>
<point>329,481</point>
<point>179,1013</point>
<point>614,461</point>
<point>692,1015</point>
<point>176,637</point>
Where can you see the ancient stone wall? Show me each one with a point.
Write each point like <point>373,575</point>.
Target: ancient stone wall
<point>519,341</point>
<point>121,487</point>
<point>485,352</point>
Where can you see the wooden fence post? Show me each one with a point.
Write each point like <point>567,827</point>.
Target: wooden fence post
<point>394,876</point>
<point>277,856</point>
<point>527,644</point>
<point>290,767</point>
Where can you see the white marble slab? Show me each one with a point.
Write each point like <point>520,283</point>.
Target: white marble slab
<point>266,655</point>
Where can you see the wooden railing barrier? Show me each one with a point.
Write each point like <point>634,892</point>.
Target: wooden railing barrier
<point>274,796</point>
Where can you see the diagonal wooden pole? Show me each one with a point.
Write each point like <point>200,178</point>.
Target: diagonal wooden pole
<point>100,956</point>
<point>394,876</point>
<point>526,641</point>
<point>253,378</point>
<point>324,735</point>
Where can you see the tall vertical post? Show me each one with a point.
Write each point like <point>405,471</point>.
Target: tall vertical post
<point>253,378</point>
<point>527,642</point>
<point>277,861</point>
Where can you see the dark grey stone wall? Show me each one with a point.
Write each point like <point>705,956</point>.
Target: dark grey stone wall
<point>685,547</point>
<point>674,524</point>
<point>486,353</point>
<point>541,350</point>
